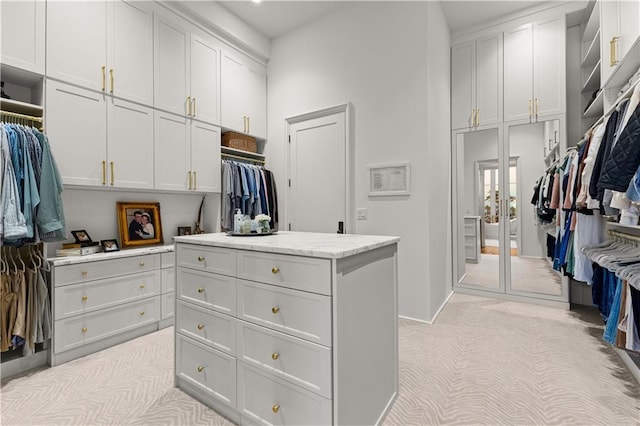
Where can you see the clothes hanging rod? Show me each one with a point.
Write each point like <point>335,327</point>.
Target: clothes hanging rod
<point>622,235</point>
<point>254,160</point>
<point>24,116</point>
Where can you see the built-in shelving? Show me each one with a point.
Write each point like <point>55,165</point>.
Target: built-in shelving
<point>596,108</point>
<point>238,154</point>
<point>593,52</point>
<point>626,68</point>
<point>593,81</point>
<point>19,107</point>
<point>593,23</point>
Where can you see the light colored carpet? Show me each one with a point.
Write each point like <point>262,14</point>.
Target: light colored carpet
<point>484,361</point>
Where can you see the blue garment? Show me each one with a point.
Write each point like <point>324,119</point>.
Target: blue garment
<point>611,329</point>
<point>633,191</point>
<point>50,216</point>
<point>560,261</point>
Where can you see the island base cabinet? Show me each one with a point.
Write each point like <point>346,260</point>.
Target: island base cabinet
<point>264,399</point>
<point>207,369</point>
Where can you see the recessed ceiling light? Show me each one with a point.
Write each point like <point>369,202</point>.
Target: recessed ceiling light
<point>256,1</point>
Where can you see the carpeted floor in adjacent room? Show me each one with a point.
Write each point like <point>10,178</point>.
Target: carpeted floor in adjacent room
<point>484,361</point>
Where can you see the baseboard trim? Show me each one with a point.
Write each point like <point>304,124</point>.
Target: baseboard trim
<point>515,298</point>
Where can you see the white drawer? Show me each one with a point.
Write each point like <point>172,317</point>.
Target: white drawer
<point>203,325</point>
<point>208,369</point>
<point>205,258</point>
<point>168,305</point>
<point>168,260</point>
<point>470,229</point>
<point>168,280</point>
<point>267,400</point>
<point>297,272</point>
<point>87,297</point>
<point>89,271</point>
<point>217,292</point>
<point>82,329</point>
<point>304,363</point>
<point>302,314</point>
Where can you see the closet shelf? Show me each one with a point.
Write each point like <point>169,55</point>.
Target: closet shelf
<point>555,150</point>
<point>238,154</point>
<point>593,24</point>
<point>596,108</point>
<point>593,52</point>
<point>10,105</point>
<point>593,81</point>
<point>626,229</point>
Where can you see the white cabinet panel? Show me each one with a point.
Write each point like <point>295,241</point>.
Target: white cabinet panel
<point>171,84</point>
<point>256,90</point>
<point>463,82</point>
<point>168,280</point>
<point>518,73</point>
<point>23,34</point>
<point>214,329</point>
<point>205,155</point>
<point>171,151</point>
<point>489,80</point>
<point>211,259</point>
<point>217,292</point>
<point>91,271</point>
<point>549,67</point>
<point>629,13</point>
<point>168,305</point>
<point>205,80</point>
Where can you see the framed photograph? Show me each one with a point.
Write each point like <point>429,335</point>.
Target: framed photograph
<point>184,230</point>
<point>109,245</point>
<point>139,223</point>
<point>389,179</point>
<point>81,236</point>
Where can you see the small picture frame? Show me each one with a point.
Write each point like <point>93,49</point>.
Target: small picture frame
<point>184,230</point>
<point>81,236</point>
<point>109,245</point>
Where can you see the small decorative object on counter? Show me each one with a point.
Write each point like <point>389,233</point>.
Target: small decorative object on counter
<point>245,226</point>
<point>198,229</point>
<point>263,223</point>
<point>237,221</point>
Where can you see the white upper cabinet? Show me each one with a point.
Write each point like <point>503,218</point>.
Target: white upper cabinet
<point>205,155</point>
<point>620,28</point>
<point>23,38</point>
<point>103,46</point>
<point>187,76</point>
<point>476,82</point>
<point>534,67</point>
<point>243,94</point>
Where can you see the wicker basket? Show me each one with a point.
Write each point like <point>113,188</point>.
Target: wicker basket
<point>239,141</point>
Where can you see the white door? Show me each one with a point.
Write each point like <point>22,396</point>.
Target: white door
<point>256,90</point>
<point>131,52</point>
<point>205,157</point>
<point>205,80</point>
<point>518,73</point>
<point>76,42</point>
<point>317,196</point>
<point>488,82</point>
<point>463,85</point>
<point>171,152</point>
<point>629,12</point>
<point>23,34</point>
<point>232,92</point>
<point>549,67</point>
<point>76,125</point>
<point>171,88</point>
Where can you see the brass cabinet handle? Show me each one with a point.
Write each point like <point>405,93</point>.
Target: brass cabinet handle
<point>104,172</point>
<point>111,75</point>
<point>141,263</point>
<point>113,174</point>
<point>194,107</point>
<point>275,356</point>
<point>200,326</point>
<point>529,108</point>
<point>142,285</point>
<point>200,369</point>
<point>104,77</point>
<point>84,329</point>
<point>248,124</point>
<point>275,309</point>
<point>478,117</point>
<point>244,121</point>
<point>84,272</point>
<point>141,313</point>
<point>275,408</point>
<point>537,107</point>
<point>188,105</point>
<point>189,173</point>
<point>195,179</point>
<point>84,298</point>
<point>613,51</point>
<point>200,258</point>
<point>275,270</point>
<point>201,290</point>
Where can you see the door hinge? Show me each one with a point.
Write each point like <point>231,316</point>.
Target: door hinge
<point>289,138</point>
<point>289,183</point>
<point>289,227</point>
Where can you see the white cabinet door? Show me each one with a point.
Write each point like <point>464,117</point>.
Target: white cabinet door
<point>518,73</point>
<point>23,37</point>
<point>608,30</point>
<point>256,99</point>
<point>488,84</point>
<point>629,22</point>
<point>171,72</point>
<point>549,67</point>
<point>76,42</point>
<point>130,52</point>
<point>232,92</point>
<point>205,157</point>
<point>76,126</point>
<point>205,79</point>
<point>463,82</point>
<point>171,152</point>
<point>130,145</point>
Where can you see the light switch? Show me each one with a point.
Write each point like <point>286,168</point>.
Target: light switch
<point>361,214</point>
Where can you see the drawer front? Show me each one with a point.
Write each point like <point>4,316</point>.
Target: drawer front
<point>82,329</point>
<point>268,400</point>
<point>168,260</point>
<point>168,280</point>
<point>213,291</point>
<point>208,369</point>
<point>168,305</point>
<point>304,363</point>
<point>470,229</point>
<point>214,329</point>
<point>297,272</point>
<point>87,297</point>
<point>94,270</point>
<point>301,314</point>
<point>204,258</point>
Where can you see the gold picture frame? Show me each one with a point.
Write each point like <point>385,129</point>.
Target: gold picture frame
<point>139,223</point>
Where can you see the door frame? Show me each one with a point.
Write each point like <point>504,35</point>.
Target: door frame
<point>348,110</point>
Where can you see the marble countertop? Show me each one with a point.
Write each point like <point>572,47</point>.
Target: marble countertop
<point>71,260</point>
<point>332,246</point>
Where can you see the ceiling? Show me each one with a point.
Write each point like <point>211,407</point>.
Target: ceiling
<point>273,18</point>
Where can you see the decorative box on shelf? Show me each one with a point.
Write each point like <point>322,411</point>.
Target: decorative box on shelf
<point>239,141</point>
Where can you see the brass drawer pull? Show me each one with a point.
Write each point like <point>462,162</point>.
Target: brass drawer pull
<point>84,329</point>
<point>142,285</point>
<point>275,309</point>
<point>141,263</point>
<point>201,290</point>
<point>275,356</point>
<point>200,326</point>
<point>275,408</point>
<point>141,313</point>
<point>84,272</point>
<point>84,298</point>
<point>200,258</point>
<point>200,369</point>
<point>275,270</point>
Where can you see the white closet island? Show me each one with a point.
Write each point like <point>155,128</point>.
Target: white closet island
<point>291,328</point>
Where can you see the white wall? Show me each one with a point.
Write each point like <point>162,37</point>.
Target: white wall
<point>377,55</point>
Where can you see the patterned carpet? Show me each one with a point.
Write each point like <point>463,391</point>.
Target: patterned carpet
<point>484,361</point>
